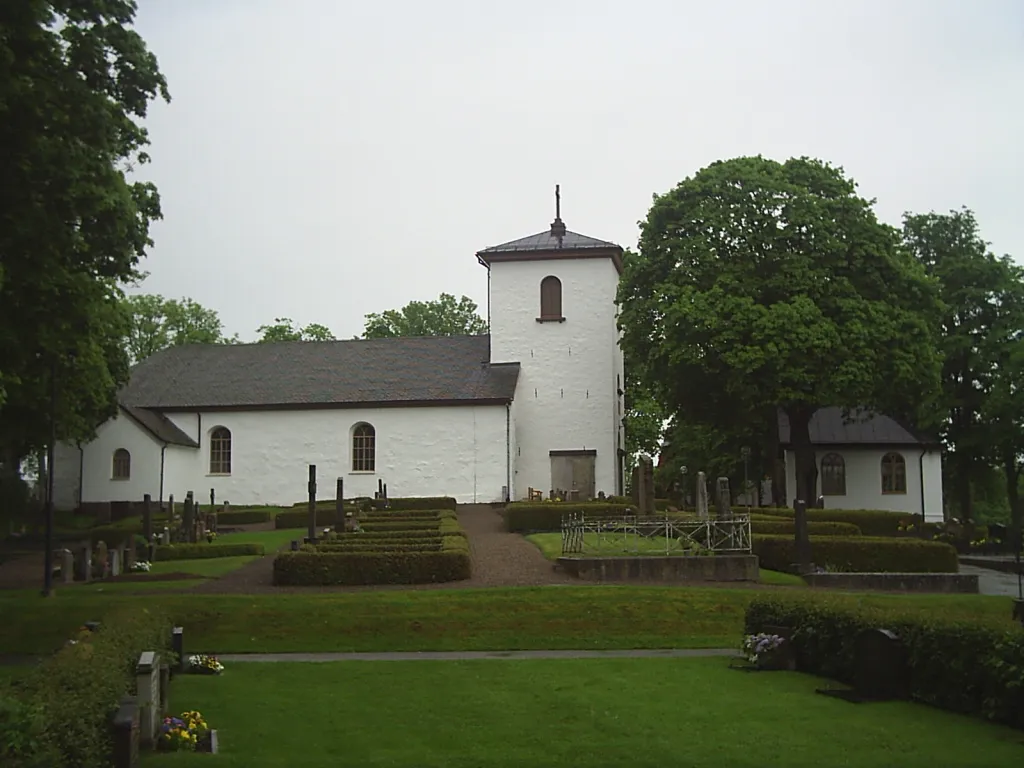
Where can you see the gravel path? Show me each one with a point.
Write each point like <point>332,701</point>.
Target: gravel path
<point>500,559</point>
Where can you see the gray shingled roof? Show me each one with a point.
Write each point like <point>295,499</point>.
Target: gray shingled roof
<point>545,241</point>
<point>441,369</point>
<point>160,426</point>
<point>827,428</point>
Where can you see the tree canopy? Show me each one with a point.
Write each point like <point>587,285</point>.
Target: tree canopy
<point>155,323</point>
<point>761,284</point>
<point>285,329</point>
<point>76,81</point>
<point>445,316</point>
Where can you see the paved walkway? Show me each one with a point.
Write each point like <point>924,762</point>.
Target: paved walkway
<point>668,653</point>
<point>992,582</point>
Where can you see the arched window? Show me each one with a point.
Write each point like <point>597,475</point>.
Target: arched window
<point>363,448</point>
<point>122,464</point>
<point>894,473</point>
<point>550,298</point>
<point>220,451</point>
<point>833,475</point>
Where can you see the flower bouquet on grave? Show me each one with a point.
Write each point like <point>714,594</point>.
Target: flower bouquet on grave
<point>182,734</point>
<point>141,566</point>
<point>204,664</point>
<point>210,536</point>
<point>765,651</point>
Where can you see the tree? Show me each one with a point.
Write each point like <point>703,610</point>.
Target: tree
<point>156,323</point>
<point>971,283</point>
<point>284,329</point>
<point>762,285</point>
<point>445,316</point>
<point>76,81</point>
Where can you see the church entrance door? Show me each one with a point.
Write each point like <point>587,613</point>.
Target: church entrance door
<point>574,471</point>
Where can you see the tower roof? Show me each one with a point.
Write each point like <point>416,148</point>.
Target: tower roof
<point>556,242</point>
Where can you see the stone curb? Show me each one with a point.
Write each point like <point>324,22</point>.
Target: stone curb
<point>670,653</point>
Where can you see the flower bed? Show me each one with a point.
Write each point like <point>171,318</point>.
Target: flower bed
<point>183,734</point>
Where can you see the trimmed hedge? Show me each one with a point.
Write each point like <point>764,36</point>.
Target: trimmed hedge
<point>393,567</point>
<point>963,666</point>
<point>782,527</point>
<point>863,554</point>
<point>413,503</point>
<point>872,522</point>
<point>523,517</point>
<point>59,714</point>
<point>205,551</point>
<point>406,514</point>
<point>243,517</point>
<point>300,518</point>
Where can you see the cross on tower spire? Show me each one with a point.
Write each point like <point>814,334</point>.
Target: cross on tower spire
<point>558,226</point>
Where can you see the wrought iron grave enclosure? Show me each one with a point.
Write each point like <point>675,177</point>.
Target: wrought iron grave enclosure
<point>653,535</point>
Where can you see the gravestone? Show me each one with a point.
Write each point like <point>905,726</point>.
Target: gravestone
<point>125,726</point>
<point>339,503</point>
<point>211,522</point>
<point>766,492</point>
<point>881,668</point>
<point>101,559</point>
<point>312,503</point>
<point>67,566</point>
<point>83,563</point>
<point>723,499</point>
<point>172,512</point>
<point>147,678</point>
<point>645,486</point>
<point>129,556</point>
<point>702,496</point>
<point>115,561</point>
<point>147,518</point>
<point>178,647</point>
<point>166,536</point>
<point>188,522</point>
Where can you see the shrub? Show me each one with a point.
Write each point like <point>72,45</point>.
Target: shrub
<point>394,535</point>
<point>522,517</point>
<point>243,517</point>
<point>413,503</point>
<point>782,527</point>
<point>300,518</point>
<point>204,551</point>
<point>394,567</point>
<point>866,554</point>
<point>397,545</point>
<point>872,522</point>
<point>66,702</point>
<point>406,514</point>
<point>966,667</point>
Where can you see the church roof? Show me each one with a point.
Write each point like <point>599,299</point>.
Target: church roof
<point>159,426</point>
<point>438,370</point>
<point>827,428</point>
<point>548,241</point>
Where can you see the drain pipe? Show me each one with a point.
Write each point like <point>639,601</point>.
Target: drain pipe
<point>920,475</point>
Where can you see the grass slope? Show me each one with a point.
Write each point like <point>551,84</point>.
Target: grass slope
<point>622,712</point>
<point>569,617</point>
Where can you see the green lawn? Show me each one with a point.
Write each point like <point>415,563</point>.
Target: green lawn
<point>118,587</point>
<point>568,617</point>
<point>271,540</point>
<point>621,712</point>
<point>207,567</point>
<point>550,544</point>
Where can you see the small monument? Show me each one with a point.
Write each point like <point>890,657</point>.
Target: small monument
<point>645,486</point>
<point>723,499</point>
<point>766,492</point>
<point>702,496</point>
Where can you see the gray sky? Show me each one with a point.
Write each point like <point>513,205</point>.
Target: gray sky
<point>324,159</point>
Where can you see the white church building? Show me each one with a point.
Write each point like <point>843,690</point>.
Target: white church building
<point>537,403</point>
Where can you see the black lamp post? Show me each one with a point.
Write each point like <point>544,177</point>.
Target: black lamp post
<point>745,452</point>
<point>48,555</point>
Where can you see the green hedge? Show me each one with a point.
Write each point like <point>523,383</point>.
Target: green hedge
<point>205,551</point>
<point>59,713</point>
<point>865,554</point>
<point>782,527</point>
<point>523,517</point>
<point>872,522</point>
<point>300,518</point>
<point>406,514</point>
<point>967,667</point>
<point>353,568</point>
<point>413,503</point>
<point>397,545</point>
<point>243,517</point>
<point>396,535</point>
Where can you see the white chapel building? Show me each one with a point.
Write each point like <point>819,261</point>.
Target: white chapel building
<point>536,403</point>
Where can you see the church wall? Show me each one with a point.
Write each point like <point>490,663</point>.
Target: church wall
<point>97,465</point>
<point>428,451</point>
<point>565,398</point>
<point>864,481</point>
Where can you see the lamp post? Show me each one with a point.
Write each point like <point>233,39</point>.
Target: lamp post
<point>48,555</point>
<point>685,494</point>
<point>745,453</point>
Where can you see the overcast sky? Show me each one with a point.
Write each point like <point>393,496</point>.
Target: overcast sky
<point>322,159</point>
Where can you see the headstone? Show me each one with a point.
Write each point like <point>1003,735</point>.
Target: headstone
<point>312,503</point>
<point>702,496</point>
<point>147,518</point>
<point>67,566</point>
<point>213,498</point>
<point>165,680</point>
<point>645,485</point>
<point>147,673</point>
<point>126,724</point>
<point>723,499</point>
<point>83,563</point>
<point>802,540</point>
<point>103,513</point>
<point>115,561</point>
<point>167,535</point>
<point>766,492</point>
<point>881,668</point>
<point>129,556</point>
<point>172,512</point>
<point>211,522</point>
<point>188,519</point>
<point>214,745</point>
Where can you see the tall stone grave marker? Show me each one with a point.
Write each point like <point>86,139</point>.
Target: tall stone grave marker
<point>147,672</point>
<point>723,499</point>
<point>702,496</point>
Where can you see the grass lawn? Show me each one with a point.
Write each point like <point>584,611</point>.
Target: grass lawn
<point>271,540</point>
<point>550,544</point>
<point>207,567</point>
<point>559,617</point>
<point>621,712</point>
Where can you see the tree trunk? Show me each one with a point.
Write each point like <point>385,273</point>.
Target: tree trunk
<point>964,466</point>
<point>806,463</point>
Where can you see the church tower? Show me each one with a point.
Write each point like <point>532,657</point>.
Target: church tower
<point>551,308</point>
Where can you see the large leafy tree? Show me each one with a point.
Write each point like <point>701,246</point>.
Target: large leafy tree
<point>75,82</point>
<point>444,316</point>
<point>972,284</point>
<point>155,323</point>
<point>762,284</point>
<point>285,329</point>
